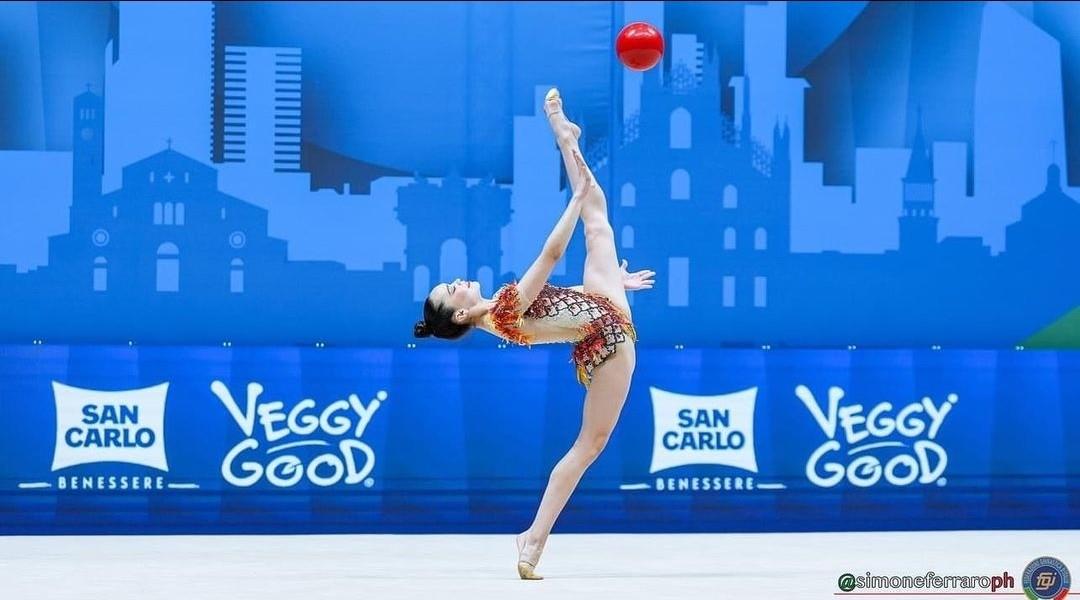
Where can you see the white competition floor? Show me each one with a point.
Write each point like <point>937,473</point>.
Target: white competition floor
<point>480,567</point>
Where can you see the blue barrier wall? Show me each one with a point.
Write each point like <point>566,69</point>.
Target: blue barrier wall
<point>187,439</point>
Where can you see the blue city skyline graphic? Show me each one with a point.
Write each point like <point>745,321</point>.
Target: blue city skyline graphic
<point>228,174</point>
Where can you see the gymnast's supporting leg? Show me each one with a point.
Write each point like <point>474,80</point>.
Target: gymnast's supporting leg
<point>603,403</point>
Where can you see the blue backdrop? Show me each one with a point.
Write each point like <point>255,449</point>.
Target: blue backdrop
<point>813,174</point>
<point>219,220</point>
<point>118,439</point>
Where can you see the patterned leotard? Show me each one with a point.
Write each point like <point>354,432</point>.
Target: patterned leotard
<point>591,321</point>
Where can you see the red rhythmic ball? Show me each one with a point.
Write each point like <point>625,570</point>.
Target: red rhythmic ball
<point>639,46</point>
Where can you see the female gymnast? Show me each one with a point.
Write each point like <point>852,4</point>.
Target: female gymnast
<point>595,317</point>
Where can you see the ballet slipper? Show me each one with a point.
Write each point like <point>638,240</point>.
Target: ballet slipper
<point>526,565</point>
<point>553,107</point>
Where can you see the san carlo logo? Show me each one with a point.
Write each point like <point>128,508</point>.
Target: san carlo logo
<point>703,430</point>
<point>896,444</point>
<point>95,428</point>
<point>284,447</point>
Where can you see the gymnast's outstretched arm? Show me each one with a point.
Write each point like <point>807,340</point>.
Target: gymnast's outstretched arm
<point>554,248</point>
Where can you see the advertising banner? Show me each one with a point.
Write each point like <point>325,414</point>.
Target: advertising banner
<point>284,439</point>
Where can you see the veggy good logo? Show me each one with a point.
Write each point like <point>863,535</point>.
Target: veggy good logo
<point>891,443</point>
<point>335,430</point>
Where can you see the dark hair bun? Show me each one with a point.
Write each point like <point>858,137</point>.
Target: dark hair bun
<point>421,329</point>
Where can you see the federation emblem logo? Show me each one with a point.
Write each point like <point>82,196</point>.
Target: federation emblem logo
<point>1046,578</point>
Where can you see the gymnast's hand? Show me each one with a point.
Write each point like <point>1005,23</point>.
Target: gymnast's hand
<point>639,280</point>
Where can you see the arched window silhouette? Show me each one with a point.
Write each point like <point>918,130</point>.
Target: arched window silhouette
<point>761,239</point>
<point>731,196</point>
<point>486,277</point>
<point>236,276</point>
<point>628,197</point>
<point>680,128</point>
<point>680,184</point>
<point>101,274</point>
<point>421,285</point>
<point>168,220</point>
<point>157,213</point>
<point>168,268</point>
<point>179,213</point>
<point>627,237</point>
<point>729,238</point>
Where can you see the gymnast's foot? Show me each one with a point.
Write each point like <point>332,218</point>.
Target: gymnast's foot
<point>560,125</point>
<point>528,556</point>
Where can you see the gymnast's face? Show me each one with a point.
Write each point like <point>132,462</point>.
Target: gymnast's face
<point>459,295</point>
